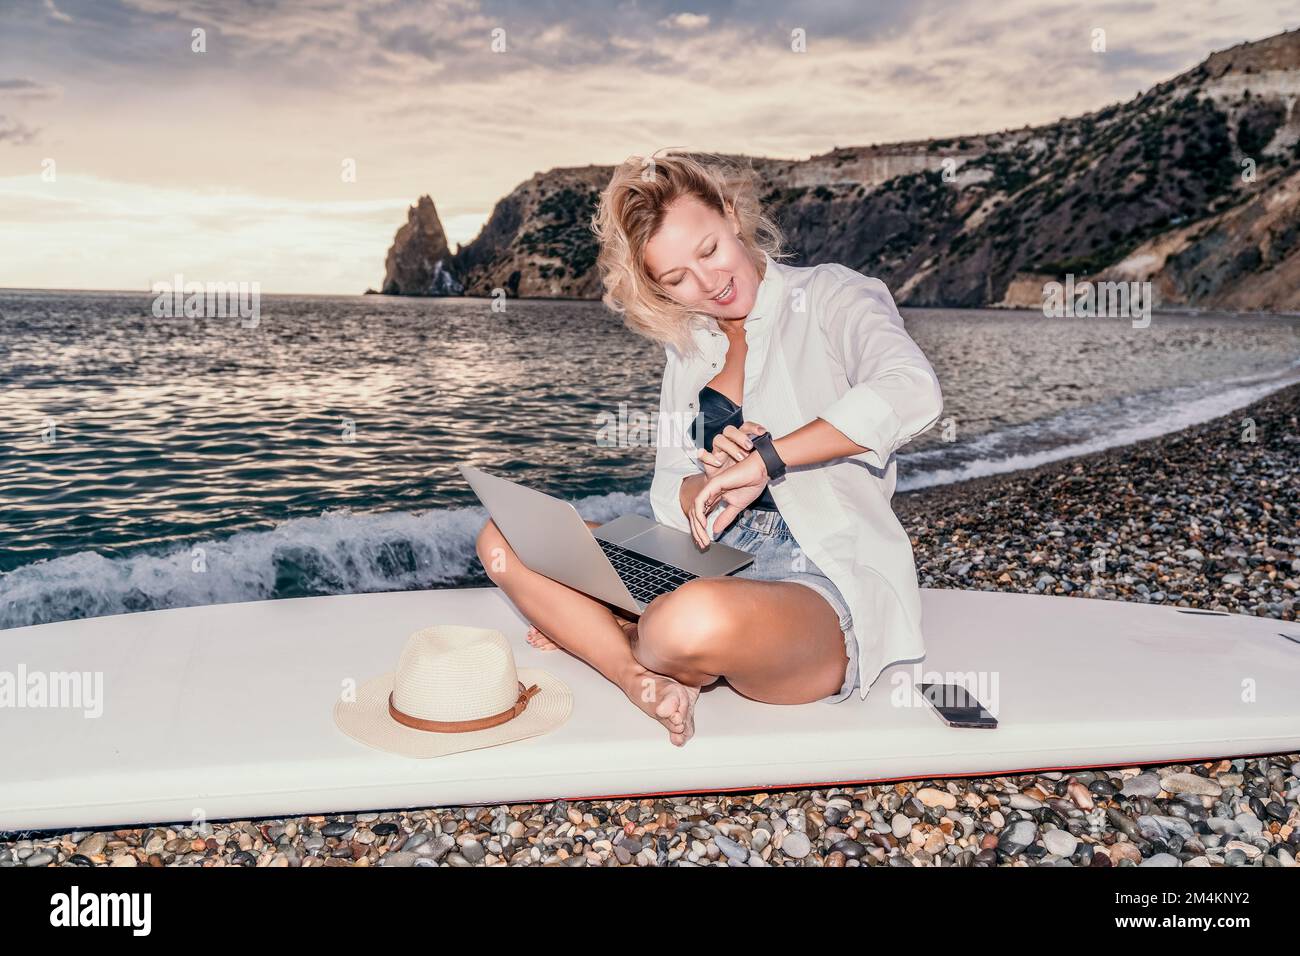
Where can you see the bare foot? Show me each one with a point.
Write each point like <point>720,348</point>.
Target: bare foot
<point>629,629</point>
<point>667,701</point>
<point>539,640</point>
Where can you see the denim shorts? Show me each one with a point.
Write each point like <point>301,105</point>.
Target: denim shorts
<point>765,535</point>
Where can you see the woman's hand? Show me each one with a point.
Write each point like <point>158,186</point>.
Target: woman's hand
<point>738,483</point>
<point>731,445</point>
<point>733,442</point>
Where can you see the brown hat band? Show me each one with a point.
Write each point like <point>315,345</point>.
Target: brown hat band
<point>460,726</point>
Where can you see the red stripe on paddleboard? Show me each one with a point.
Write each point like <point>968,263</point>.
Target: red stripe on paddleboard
<point>934,776</point>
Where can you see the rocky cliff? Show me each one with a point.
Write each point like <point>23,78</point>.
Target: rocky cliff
<point>418,259</point>
<point>1193,185</point>
<point>538,242</point>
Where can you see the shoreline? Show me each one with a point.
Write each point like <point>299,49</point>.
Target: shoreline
<point>1195,518</point>
<point>1203,490</point>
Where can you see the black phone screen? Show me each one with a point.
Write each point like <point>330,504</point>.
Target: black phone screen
<point>956,706</point>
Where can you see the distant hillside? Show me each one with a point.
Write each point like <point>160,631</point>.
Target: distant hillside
<point>1148,189</point>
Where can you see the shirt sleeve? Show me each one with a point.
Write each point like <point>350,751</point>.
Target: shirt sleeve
<point>893,393</point>
<point>673,462</point>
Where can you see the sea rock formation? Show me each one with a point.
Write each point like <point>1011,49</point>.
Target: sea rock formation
<point>418,258</point>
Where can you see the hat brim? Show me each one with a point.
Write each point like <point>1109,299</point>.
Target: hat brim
<point>367,720</point>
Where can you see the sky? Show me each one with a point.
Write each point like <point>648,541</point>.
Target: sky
<point>282,142</point>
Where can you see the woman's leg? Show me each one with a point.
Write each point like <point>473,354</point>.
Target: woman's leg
<point>774,641</point>
<point>589,630</point>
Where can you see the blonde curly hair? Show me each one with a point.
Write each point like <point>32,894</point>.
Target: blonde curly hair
<point>632,209</point>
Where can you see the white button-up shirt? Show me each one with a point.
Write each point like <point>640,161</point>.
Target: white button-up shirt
<point>822,342</point>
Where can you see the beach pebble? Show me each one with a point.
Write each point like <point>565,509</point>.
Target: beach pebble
<point>1080,795</point>
<point>1143,785</point>
<point>92,845</point>
<point>1249,850</point>
<point>932,797</point>
<point>1161,859</point>
<point>1175,825</point>
<point>732,849</point>
<point>438,848</point>
<point>1248,822</point>
<point>1060,842</point>
<point>1190,783</point>
<point>851,849</point>
<point>1017,837</point>
<point>796,845</point>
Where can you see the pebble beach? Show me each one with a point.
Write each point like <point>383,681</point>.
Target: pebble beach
<point>1202,518</point>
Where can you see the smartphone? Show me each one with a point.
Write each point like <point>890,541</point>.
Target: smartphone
<point>956,706</point>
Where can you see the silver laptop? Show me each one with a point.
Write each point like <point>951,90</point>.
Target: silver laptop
<point>627,562</point>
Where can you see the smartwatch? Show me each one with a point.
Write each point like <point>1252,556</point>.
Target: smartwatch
<point>763,445</point>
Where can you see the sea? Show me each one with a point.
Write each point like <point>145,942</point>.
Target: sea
<point>151,462</point>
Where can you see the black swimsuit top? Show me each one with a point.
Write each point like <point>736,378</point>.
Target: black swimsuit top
<point>717,412</point>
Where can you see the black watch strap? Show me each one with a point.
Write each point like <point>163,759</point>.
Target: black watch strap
<point>763,445</point>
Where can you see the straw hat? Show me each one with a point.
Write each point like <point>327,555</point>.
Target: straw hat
<point>456,688</point>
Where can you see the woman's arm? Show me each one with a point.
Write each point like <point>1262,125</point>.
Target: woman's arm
<point>894,394</point>
<point>672,465</point>
<point>690,487</point>
<point>815,442</point>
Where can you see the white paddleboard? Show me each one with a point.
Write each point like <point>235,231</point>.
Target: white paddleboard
<point>226,711</point>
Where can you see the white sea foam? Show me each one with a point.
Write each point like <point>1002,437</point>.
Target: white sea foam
<point>336,553</point>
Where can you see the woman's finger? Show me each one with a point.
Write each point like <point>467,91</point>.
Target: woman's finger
<point>725,517</point>
<point>726,445</point>
<point>700,511</point>
<point>697,522</point>
<point>738,436</point>
<point>752,428</point>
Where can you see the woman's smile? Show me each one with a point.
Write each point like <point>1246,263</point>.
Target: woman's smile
<point>728,295</point>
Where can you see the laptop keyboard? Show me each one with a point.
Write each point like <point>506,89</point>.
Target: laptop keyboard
<point>645,577</point>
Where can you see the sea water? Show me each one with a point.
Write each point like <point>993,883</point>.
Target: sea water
<point>151,462</point>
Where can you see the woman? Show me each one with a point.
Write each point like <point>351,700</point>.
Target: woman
<point>816,358</point>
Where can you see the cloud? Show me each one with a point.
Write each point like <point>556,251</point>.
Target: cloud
<point>14,132</point>
<point>27,89</point>
<point>55,13</point>
<point>331,35</point>
<point>686,21</point>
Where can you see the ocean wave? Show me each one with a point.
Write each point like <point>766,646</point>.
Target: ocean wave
<point>338,552</point>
